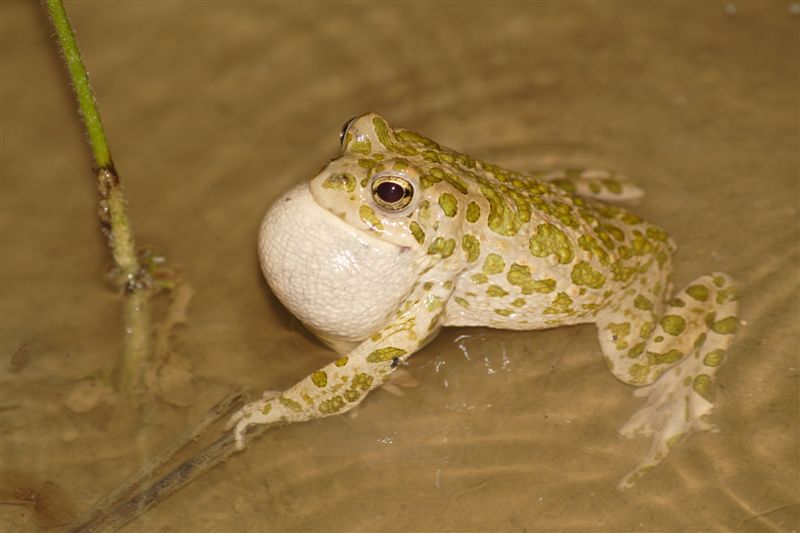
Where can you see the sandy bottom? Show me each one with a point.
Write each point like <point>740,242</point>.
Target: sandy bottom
<point>215,109</point>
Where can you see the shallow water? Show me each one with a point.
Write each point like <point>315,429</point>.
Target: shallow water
<point>213,110</point>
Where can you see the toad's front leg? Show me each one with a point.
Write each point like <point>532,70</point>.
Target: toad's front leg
<point>342,384</point>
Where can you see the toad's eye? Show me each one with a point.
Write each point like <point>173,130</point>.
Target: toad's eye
<point>392,192</point>
<point>344,131</point>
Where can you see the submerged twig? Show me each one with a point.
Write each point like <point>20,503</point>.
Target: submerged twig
<point>131,279</point>
<point>112,513</point>
<point>135,481</point>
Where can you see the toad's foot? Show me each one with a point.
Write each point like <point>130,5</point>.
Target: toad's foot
<point>673,411</point>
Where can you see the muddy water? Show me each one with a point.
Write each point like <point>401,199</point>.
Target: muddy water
<point>215,109</point>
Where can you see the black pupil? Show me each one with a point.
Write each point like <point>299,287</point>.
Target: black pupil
<point>390,192</point>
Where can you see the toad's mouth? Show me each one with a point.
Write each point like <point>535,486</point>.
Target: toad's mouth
<point>340,282</point>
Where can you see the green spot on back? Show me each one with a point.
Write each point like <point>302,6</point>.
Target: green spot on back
<point>520,275</point>
<point>630,219</point>
<point>443,247</point>
<point>493,264</point>
<point>584,274</point>
<point>640,302</point>
<point>700,340</point>
<point>479,278</point>
<point>449,204</point>
<point>590,244</point>
<point>412,136</point>
<point>522,215</point>
<point>547,240</point>
<point>417,232</point>
<point>640,244</point>
<point>657,234</point>
<point>561,304</point>
<point>472,247</point>
<point>502,219</point>
<point>564,214</point>
<point>473,212</point>
<point>453,180</point>
<point>496,291</point>
<point>673,324</point>
<point>615,232</point>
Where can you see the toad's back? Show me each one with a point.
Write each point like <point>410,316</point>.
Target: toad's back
<point>540,256</point>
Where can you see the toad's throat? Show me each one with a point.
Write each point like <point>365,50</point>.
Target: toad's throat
<point>340,282</point>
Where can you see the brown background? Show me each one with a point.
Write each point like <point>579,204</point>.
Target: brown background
<point>213,109</point>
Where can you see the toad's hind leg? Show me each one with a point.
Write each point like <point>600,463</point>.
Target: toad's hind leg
<point>677,362</point>
<point>601,184</point>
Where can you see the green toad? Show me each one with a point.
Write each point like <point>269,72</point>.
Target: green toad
<point>400,236</point>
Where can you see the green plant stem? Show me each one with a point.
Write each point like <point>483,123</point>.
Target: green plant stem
<point>80,82</point>
<point>131,278</point>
